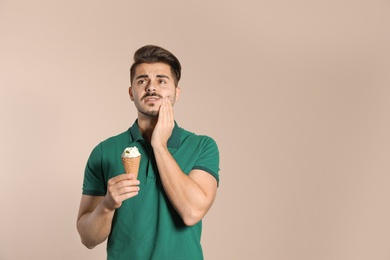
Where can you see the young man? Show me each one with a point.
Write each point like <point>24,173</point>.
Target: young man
<point>159,215</point>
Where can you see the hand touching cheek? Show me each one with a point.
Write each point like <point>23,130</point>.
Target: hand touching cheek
<point>163,129</point>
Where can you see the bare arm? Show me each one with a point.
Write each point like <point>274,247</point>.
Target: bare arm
<point>96,212</point>
<point>192,195</point>
<point>94,221</point>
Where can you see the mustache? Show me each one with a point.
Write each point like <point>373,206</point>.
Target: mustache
<point>153,94</point>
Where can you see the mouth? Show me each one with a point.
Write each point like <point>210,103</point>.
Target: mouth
<point>151,97</point>
<point>151,100</point>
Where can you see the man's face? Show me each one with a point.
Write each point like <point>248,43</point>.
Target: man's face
<point>152,82</point>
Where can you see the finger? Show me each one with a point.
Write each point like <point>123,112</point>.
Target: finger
<point>164,113</point>
<point>127,189</point>
<point>128,195</point>
<point>131,176</point>
<point>116,191</point>
<point>161,112</point>
<point>127,183</point>
<point>164,110</point>
<point>114,180</point>
<point>168,111</point>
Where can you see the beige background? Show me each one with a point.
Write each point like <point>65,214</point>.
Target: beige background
<point>296,93</point>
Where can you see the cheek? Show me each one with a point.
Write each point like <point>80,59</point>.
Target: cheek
<point>136,95</point>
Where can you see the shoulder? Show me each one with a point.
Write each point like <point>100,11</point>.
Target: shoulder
<point>111,143</point>
<point>198,140</point>
<point>116,139</point>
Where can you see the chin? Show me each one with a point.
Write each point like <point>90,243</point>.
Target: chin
<point>150,113</point>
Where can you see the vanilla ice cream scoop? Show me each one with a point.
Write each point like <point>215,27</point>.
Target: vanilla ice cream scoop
<point>130,152</point>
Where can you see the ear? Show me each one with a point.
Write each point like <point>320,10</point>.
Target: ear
<point>131,93</point>
<point>177,93</point>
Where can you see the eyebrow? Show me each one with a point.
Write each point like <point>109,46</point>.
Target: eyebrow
<point>157,76</point>
<point>142,76</point>
<point>162,76</point>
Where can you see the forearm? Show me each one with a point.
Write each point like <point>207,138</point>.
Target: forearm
<point>185,194</point>
<point>94,227</point>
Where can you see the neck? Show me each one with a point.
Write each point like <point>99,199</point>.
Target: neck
<point>146,126</point>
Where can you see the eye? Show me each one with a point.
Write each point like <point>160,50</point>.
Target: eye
<point>162,81</point>
<point>141,81</point>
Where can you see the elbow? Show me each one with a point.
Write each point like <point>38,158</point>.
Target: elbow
<point>192,218</point>
<point>85,241</point>
<point>190,223</point>
<point>88,245</point>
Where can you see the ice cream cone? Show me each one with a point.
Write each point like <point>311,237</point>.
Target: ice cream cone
<point>131,158</point>
<point>132,165</point>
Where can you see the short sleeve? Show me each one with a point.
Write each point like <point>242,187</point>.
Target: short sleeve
<point>208,159</point>
<point>94,183</point>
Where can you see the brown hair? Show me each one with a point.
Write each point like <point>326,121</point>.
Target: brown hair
<point>153,54</point>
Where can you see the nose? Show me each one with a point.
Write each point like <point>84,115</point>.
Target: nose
<point>151,87</point>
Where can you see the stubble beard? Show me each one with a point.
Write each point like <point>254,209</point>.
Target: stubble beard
<point>149,113</point>
<point>152,114</point>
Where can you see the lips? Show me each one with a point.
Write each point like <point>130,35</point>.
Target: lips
<point>151,99</point>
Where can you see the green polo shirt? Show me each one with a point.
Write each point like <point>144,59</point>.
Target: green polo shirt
<point>147,226</point>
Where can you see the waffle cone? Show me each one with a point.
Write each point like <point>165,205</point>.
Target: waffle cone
<point>131,165</point>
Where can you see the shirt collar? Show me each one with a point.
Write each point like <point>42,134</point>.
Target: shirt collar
<point>173,141</point>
